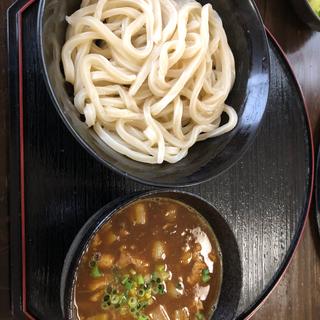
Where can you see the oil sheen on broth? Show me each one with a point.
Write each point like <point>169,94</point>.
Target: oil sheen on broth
<point>156,259</point>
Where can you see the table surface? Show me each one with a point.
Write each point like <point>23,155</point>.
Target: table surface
<point>297,295</point>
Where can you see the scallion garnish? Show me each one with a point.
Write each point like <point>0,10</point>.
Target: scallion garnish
<point>199,316</point>
<point>161,288</point>
<point>115,299</point>
<point>132,292</point>
<point>141,293</point>
<point>95,272</point>
<point>206,275</point>
<point>125,279</point>
<point>104,305</point>
<point>140,280</point>
<point>132,302</point>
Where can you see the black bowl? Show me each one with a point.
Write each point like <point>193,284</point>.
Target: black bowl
<point>232,269</point>
<point>206,159</point>
<point>306,13</point>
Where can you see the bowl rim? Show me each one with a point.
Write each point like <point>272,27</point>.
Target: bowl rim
<point>137,178</point>
<point>90,228</point>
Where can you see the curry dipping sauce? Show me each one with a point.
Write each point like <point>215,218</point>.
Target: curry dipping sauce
<point>155,259</point>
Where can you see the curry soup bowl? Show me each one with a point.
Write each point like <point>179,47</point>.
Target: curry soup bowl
<point>228,290</point>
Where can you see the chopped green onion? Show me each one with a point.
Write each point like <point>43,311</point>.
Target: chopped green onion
<point>206,275</point>
<point>128,284</point>
<point>161,288</point>
<point>132,292</point>
<point>205,272</point>
<point>125,279</point>
<point>154,276</point>
<point>146,286</point>
<point>141,292</point>
<point>95,272</point>
<point>206,279</point>
<point>115,299</point>
<point>199,316</point>
<point>143,304</point>
<point>140,280</point>
<point>105,305</point>
<point>148,293</point>
<point>92,264</point>
<point>132,302</point>
<point>179,286</point>
<point>123,300</point>
<point>155,290</point>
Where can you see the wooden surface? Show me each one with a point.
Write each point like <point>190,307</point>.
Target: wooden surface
<point>297,296</point>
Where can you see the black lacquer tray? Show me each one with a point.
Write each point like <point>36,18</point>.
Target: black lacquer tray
<point>317,191</point>
<point>55,185</point>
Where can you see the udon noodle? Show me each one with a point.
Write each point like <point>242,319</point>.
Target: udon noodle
<point>150,76</point>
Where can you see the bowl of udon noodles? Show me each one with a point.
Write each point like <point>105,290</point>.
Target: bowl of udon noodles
<point>166,92</point>
<point>158,255</point>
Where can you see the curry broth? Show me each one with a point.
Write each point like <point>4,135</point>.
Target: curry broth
<point>157,253</point>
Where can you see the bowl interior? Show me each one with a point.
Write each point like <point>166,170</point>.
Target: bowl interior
<point>206,159</point>
<point>232,270</point>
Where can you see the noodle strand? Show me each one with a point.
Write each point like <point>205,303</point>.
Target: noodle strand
<point>151,77</point>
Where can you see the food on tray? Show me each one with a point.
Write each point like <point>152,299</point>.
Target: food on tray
<point>154,259</point>
<point>150,77</point>
<point>315,5</point>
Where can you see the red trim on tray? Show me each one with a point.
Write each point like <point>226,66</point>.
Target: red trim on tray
<point>312,178</point>
<point>22,173</point>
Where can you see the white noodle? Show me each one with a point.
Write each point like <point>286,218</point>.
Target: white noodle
<point>150,76</point>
